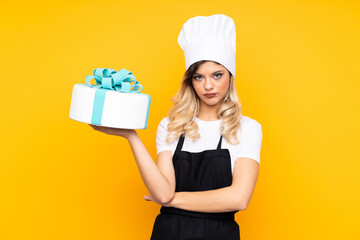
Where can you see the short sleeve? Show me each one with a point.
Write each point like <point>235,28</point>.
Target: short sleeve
<point>251,140</point>
<point>161,144</point>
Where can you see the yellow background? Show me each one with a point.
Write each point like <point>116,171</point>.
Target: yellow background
<point>297,74</point>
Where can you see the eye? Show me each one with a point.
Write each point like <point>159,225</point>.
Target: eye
<point>195,77</point>
<point>218,75</point>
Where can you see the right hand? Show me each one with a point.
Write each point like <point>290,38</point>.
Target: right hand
<point>122,132</point>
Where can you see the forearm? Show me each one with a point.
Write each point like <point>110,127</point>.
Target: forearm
<point>218,200</point>
<point>157,185</point>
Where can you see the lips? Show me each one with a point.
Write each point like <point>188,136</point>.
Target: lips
<point>210,95</point>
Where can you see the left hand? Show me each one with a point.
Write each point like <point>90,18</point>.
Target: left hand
<point>150,198</point>
<point>122,132</point>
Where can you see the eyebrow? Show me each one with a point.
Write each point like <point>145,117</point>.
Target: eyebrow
<point>213,72</point>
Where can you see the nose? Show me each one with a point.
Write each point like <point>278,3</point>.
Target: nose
<point>208,84</point>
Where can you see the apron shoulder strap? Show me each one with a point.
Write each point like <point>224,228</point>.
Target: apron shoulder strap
<point>180,143</point>
<point>219,144</point>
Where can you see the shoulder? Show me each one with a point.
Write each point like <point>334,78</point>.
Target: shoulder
<point>164,122</point>
<point>249,122</point>
<point>250,126</point>
<point>251,139</point>
<point>163,126</point>
<point>161,135</point>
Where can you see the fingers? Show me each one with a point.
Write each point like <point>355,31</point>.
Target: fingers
<point>95,126</point>
<point>109,130</point>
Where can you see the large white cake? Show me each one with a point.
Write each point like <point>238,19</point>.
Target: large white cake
<point>109,108</point>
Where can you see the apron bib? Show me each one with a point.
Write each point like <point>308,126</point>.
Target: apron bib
<point>201,171</point>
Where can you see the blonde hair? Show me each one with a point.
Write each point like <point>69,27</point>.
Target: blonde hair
<point>187,105</point>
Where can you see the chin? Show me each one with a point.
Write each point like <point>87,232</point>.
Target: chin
<point>211,103</point>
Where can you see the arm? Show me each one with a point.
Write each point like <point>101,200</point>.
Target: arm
<point>232,198</point>
<point>159,179</point>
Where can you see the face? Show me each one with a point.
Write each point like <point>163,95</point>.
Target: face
<point>211,82</point>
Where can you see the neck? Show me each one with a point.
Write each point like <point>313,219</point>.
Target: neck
<point>208,113</point>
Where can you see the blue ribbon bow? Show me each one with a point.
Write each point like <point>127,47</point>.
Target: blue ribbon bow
<point>109,79</point>
<point>114,80</point>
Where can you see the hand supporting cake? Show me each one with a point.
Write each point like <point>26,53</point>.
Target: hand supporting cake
<point>113,102</point>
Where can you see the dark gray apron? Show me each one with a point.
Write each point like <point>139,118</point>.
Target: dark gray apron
<point>206,170</point>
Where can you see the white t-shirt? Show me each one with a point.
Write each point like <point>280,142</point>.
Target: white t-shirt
<point>250,139</point>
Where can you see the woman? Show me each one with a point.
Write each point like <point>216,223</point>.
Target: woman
<point>208,153</point>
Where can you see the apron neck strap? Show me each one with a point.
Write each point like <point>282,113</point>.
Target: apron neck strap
<point>219,144</point>
<point>180,143</point>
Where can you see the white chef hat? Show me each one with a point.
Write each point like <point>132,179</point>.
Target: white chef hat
<point>209,38</point>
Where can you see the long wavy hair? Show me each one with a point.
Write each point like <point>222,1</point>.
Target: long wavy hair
<point>187,105</point>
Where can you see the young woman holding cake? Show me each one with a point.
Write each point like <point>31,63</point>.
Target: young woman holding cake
<point>208,153</point>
